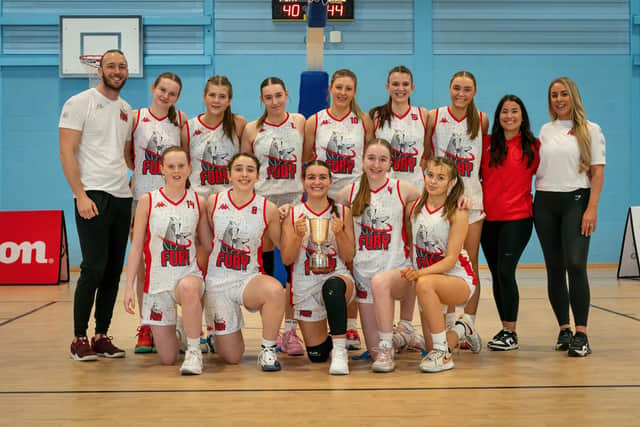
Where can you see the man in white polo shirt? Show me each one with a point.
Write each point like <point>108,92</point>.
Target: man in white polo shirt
<point>94,126</point>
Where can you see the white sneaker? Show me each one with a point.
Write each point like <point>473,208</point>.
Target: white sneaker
<point>437,361</point>
<point>471,336</point>
<point>192,364</point>
<point>406,339</point>
<point>339,362</point>
<point>268,359</point>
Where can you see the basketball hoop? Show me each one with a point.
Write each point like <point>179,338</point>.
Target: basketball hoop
<point>91,64</point>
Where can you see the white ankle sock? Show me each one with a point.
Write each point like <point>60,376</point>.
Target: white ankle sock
<point>471,318</point>
<point>450,320</point>
<point>268,343</point>
<point>386,337</point>
<point>193,343</point>
<point>440,341</point>
<point>340,343</point>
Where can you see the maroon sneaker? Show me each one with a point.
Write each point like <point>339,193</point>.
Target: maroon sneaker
<point>81,350</point>
<point>105,348</point>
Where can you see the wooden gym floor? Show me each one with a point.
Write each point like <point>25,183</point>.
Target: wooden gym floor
<point>41,385</point>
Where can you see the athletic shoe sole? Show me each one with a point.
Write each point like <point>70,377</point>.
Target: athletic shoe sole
<point>445,367</point>
<point>143,349</point>
<point>498,348</point>
<point>112,356</point>
<point>189,372</point>
<point>380,370</point>
<point>578,353</point>
<point>83,359</point>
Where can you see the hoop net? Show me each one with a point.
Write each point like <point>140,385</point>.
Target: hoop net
<point>91,64</point>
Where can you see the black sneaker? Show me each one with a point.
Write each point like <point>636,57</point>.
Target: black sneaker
<point>564,339</point>
<point>579,346</point>
<point>504,340</point>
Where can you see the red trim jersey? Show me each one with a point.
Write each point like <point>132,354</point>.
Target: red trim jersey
<point>379,231</point>
<point>238,233</point>
<point>210,150</point>
<point>278,147</point>
<point>170,248</point>
<point>406,136</point>
<point>506,188</point>
<point>430,232</point>
<point>450,139</point>
<point>340,143</point>
<point>303,280</point>
<point>151,136</point>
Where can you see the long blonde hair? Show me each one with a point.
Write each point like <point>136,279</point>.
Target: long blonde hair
<point>473,116</point>
<point>348,73</point>
<point>580,127</point>
<point>363,196</point>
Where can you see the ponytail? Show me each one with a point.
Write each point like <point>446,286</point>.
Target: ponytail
<point>172,114</point>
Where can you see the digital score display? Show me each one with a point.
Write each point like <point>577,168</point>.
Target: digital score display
<point>296,10</point>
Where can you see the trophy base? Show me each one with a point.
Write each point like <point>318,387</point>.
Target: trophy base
<point>319,264</point>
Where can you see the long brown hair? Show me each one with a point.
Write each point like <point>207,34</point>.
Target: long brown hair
<point>228,124</point>
<point>363,196</point>
<point>348,73</point>
<point>323,164</point>
<point>384,112</point>
<point>266,82</point>
<point>173,113</point>
<point>473,116</point>
<point>580,127</point>
<point>457,191</point>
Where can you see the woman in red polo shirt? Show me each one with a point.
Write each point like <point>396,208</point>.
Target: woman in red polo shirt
<point>509,161</point>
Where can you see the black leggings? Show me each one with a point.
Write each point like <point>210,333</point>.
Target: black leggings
<point>558,220</point>
<point>503,243</point>
<point>103,241</point>
<point>268,263</point>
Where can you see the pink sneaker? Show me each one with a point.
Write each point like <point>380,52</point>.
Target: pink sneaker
<point>290,343</point>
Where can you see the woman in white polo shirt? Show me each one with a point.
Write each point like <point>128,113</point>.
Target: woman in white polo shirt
<point>568,186</point>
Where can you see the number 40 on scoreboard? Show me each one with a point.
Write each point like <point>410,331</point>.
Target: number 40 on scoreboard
<point>295,10</point>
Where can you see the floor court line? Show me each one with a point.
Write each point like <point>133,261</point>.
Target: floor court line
<point>617,313</point>
<point>26,313</point>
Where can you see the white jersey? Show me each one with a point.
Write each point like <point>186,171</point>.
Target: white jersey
<point>430,233</point>
<point>237,240</point>
<point>303,281</point>
<point>170,249</point>
<point>450,139</point>
<point>151,136</point>
<point>406,136</point>
<point>379,231</point>
<point>278,147</point>
<point>340,143</point>
<point>210,150</point>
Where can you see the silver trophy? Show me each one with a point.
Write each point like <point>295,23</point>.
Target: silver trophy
<point>318,230</point>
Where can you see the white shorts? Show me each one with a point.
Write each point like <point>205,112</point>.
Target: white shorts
<point>223,308</point>
<point>476,215</point>
<point>310,307</point>
<point>160,309</point>
<point>472,288</point>
<point>364,294</point>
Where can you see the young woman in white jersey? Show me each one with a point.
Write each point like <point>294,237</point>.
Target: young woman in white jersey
<point>167,222</point>
<point>456,132</point>
<point>569,182</point>
<point>441,268</point>
<point>155,129</point>
<point>213,137</point>
<point>276,138</point>
<point>403,125</point>
<point>320,297</point>
<point>240,220</point>
<point>377,203</point>
<point>337,135</point>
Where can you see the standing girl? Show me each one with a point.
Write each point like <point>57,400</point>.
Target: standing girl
<point>377,203</point>
<point>276,138</point>
<point>166,224</point>
<point>337,135</point>
<point>155,129</point>
<point>456,132</point>
<point>441,268</point>
<point>240,220</point>
<point>510,159</point>
<point>321,296</point>
<point>565,211</point>
<point>403,125</point>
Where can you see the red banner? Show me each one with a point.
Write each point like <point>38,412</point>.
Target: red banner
<point>33,248</point>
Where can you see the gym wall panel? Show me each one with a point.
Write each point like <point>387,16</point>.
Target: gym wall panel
<point>531,27</point>
<point>245,26</point>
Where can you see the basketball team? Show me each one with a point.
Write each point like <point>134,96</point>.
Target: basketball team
<point>410,195</point>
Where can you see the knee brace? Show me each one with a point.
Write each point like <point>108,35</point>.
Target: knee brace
<point>333,294</point>
<point>320,353</point>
